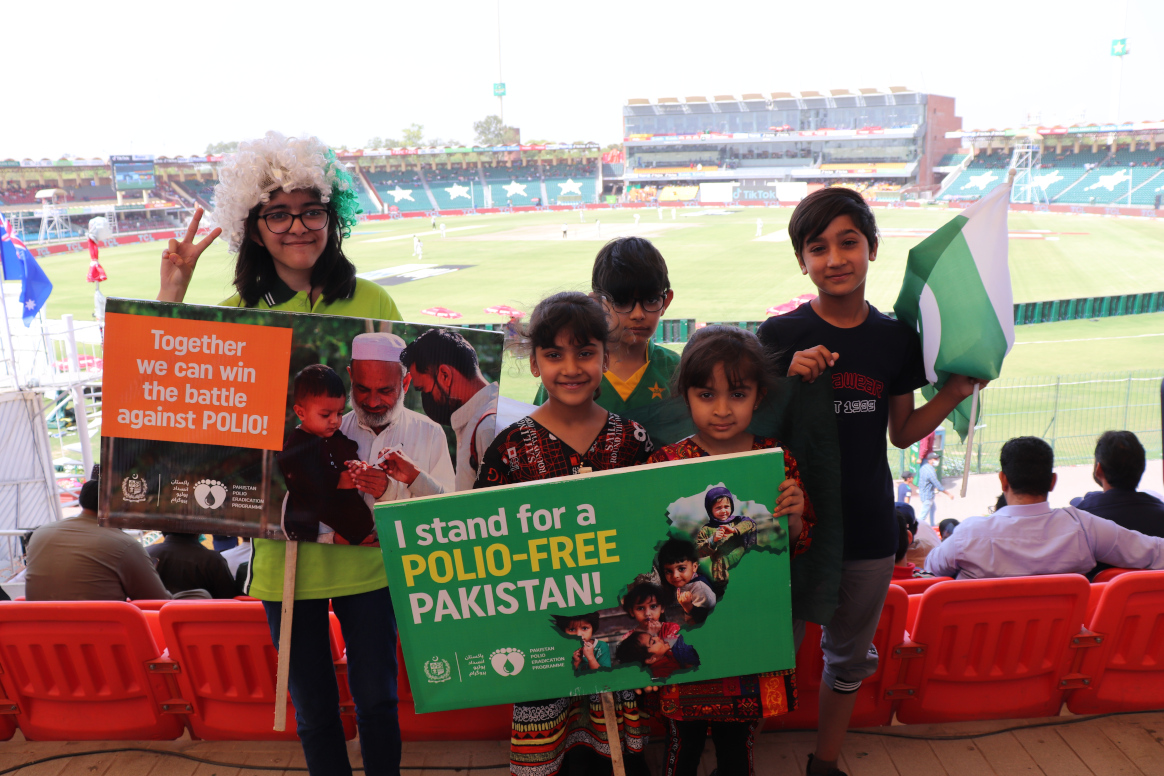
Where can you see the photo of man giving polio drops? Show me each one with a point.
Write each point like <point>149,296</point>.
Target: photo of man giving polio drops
<point>603,581</point>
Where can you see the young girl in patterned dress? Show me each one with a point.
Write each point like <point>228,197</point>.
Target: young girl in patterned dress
<point>567,338</point>
<point>723,377</point>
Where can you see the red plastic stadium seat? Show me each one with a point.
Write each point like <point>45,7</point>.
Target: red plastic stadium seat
<point>150,604</point>
<point>77,671</point>
<point>872,706</point>
<point>226,670</point>
<point>991,649</point>
<point>154,620</point>
<point>7,726</point>
<point>1123,662</point>
<point>1107,575</point>
<point>487,723</point>
<point>920,584</point>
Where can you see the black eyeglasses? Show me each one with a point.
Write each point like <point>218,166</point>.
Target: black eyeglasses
<point>279,223</point>
<point>651,304</point>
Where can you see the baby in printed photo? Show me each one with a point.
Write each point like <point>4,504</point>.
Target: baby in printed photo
<point>594,652</point>
<point>322,501</point>
<point>679,568</point>
<point>661,656</point>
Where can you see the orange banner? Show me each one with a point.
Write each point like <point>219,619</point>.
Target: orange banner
<point>203,382</point>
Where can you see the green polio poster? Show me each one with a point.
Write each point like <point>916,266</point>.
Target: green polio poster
<point>604,581</point>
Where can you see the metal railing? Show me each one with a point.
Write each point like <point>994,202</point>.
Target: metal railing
<point>1068,411</point>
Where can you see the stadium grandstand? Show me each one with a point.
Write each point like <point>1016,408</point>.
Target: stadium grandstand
<point>896,136</point>
<point>1085,164</point>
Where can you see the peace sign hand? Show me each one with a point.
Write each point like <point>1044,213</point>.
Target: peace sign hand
<point>179,260</point>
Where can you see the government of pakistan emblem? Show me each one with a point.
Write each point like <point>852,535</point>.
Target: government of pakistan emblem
<point>437,670</point>
<point>133,489</point>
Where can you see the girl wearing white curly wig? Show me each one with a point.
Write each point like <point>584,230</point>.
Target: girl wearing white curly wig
<point>285,205</point>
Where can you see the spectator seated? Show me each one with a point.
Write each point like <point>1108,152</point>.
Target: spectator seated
<point>518,172</point>
<point>1028,537</point>
<point>184,564</point>
<point>80,560</point>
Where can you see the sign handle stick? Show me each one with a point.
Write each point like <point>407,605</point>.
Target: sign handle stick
<point>290,558</point>
<point>970,440</point>
<point>612,738</point>
<point>608,714</point>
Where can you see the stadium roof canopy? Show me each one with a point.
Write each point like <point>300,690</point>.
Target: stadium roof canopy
<point>1150,127</point>
<point>841,98</point>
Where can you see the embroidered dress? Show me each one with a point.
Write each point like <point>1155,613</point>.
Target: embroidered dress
<point>544,731</point>
<point>739,698</point>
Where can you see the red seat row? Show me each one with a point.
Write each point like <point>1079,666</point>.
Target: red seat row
<point>1003,649</point>
<point>977,649</point>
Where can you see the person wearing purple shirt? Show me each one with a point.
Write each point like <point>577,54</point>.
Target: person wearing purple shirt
<point>1028,537</point>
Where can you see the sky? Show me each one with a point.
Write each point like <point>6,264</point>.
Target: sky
<point>94,79</point>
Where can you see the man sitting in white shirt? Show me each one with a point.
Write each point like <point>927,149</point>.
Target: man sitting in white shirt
<point>1028,537</point>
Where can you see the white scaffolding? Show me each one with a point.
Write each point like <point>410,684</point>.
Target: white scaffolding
<point>1026,160</point>
<point>54,220</point>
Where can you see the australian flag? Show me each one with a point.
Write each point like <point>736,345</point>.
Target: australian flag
<point>18,263</point>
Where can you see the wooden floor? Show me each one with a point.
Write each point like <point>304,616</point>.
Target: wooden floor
<point>1128,745</point>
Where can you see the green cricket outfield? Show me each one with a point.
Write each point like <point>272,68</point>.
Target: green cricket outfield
<point>719,269</point>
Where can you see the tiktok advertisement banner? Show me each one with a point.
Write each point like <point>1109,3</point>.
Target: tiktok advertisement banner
<point>284,425</point>
<point>606,581</point>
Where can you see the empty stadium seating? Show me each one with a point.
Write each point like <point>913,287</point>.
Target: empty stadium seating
<point>873,706</point>
<point>78,671</point>
<point>1110,185</point>
<point>408,187</point>
<point>1141,156</point>
<point>960,650</point>
<point>527,172</point>
<point>991,649</point>
<point>1122,661</point>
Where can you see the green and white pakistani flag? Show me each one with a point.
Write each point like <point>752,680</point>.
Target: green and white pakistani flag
<point>957,295</point>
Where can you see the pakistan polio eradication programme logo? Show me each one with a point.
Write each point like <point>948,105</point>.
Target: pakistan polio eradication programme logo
<point>437,670</point>
<point>507,661</point>
<point>133,489</point>
<point>210,494</point>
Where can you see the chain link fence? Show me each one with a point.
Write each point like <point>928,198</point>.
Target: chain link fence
<point>1069,411</point>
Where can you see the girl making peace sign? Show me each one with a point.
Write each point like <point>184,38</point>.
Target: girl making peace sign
<point>285,205</point>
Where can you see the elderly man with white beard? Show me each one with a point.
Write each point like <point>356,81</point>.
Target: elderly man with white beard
<point>379,421</point>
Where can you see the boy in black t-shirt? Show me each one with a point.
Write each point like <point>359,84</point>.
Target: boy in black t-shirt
<point>878,365</point>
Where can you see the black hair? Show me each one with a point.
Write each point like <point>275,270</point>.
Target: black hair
<point>1121,456</point>
<point>1028,463</point>
<point>632,649</point>
<point>89,494</point>
<point>570,311</point>
<point>1000,502</point>
<point>629,268</point>
<point>254,269</point>
<point>318,380</point>
<point>907,475</point>
<point>677,551</point>
<point>903,531</point>
<point>740,352</point>
<point>440,346</point>
<point>910,515</point>
<point>816,211</point>
<point>946,527</point>
<point>590,618</point>
<point>640,594</point>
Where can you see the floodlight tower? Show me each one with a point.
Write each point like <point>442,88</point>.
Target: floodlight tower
<point>1025,160</point>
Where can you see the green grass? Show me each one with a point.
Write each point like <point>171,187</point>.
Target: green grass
<point>718,270</point>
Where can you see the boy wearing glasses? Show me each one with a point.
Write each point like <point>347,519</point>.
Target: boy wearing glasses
<point>630,279</point>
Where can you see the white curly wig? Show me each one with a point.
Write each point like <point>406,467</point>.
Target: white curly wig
<point>274,162</point>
